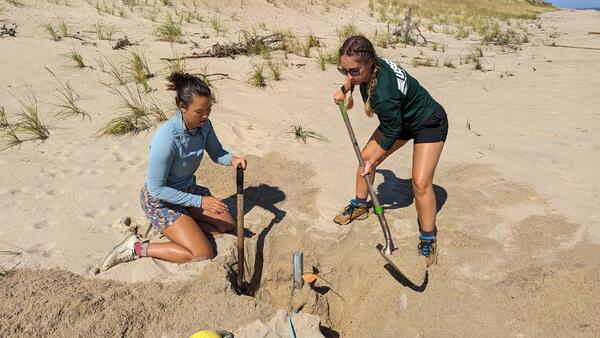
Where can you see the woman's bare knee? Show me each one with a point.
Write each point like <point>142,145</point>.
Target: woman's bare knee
<point>201,254</point>
<point>421,186</point>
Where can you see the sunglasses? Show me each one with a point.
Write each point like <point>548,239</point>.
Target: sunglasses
<point>351,71</point>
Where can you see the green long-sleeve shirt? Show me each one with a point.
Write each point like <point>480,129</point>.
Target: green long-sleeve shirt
<point>399,101</point>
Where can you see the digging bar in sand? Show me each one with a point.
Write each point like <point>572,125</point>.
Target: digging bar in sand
<point>239,180</point>
<point>389,245</point>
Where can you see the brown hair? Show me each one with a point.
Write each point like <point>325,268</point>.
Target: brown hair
<point>187,86</point>
<point>362,48</point>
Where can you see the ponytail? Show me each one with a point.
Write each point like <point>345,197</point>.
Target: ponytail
<point>187,86</point>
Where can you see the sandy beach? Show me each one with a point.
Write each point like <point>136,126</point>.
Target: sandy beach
<point>516,186</point>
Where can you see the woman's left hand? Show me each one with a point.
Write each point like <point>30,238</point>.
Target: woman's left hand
<point>367,169</point>
<point>235,161</point>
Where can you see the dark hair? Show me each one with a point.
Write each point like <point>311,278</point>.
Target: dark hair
<point>362,48</point>
<point>187,86</point>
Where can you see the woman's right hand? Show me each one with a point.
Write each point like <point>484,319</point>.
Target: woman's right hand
<point>338,96</point>
<point>213,204</point>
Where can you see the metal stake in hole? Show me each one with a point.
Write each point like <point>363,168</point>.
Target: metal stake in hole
<point>297,268</point>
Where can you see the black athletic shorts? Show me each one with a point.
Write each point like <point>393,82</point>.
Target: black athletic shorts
<point>434,129</point>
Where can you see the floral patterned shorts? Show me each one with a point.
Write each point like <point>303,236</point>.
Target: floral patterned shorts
<point>161,213</point>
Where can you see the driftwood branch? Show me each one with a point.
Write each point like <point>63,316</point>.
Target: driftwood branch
<point>406,29</point>
<point>248,44</point>
<point>193,56</point>
<point>577,47</point>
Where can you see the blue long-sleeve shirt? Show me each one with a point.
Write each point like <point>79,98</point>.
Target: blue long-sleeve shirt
<point>175,155</point>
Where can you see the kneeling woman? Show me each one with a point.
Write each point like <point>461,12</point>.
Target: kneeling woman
<point>183,211</point>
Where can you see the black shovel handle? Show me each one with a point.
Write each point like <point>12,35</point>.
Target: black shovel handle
<point>239,179</point>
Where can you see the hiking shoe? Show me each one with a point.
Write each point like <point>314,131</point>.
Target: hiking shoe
<point>428,248</point>
<point>351,212</point>
<point>123,252</point>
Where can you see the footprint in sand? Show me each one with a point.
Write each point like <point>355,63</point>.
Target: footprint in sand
<point>96,213</point>
<point>43,250</point>
<point>16,191</point>
<point>40,225</point>
<point>237,131</point>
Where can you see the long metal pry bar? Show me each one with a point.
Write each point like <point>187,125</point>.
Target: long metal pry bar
<point>389,245</point>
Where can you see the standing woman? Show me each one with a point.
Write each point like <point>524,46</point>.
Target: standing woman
<point>406,112</point>
<point>183,211</point>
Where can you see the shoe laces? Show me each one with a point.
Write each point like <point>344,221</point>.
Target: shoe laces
<point>349,209</point>
<point>425,246</point>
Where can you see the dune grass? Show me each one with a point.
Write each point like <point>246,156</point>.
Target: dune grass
<point>346,31</point>
<point>139,114</point>
<point>68,100</point>
<point>467,16</point>
<point>468,12</point>
<point>115,71</point>
<point>3,119</point>
<point>10,136</point>
<point>448,63</point>
<point>138,68</point>
<point>257,77</point>
<point>216,23</point>
<point>419,61</point>
<point>382,39</point>
<point>30,121</point>
<point>15,3</point>
<point>170,31</point>
<point>178,65</point>
<point>53,32</point>
<point>276,70</point>
<point>63,28</point>
<point>7,132</point>
<point>301,133</point>
<point>3,271</point>
<point>104,31</point>
<point>321,59</point>
<point>75,56</point>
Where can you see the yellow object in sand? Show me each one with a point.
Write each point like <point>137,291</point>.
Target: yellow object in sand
<point>206,334</point>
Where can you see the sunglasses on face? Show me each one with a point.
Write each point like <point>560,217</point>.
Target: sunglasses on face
<point>351,71</point>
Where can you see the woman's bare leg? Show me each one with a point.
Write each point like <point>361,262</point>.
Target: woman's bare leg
<point>188,243</point>
<point>425,160</point>
<point>362,190</point>
<point>211,222</point>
